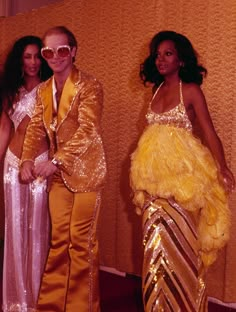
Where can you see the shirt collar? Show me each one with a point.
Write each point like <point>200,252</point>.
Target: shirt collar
<point>54,91</point>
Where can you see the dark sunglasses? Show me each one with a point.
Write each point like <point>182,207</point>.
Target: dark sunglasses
<point>60,51</point>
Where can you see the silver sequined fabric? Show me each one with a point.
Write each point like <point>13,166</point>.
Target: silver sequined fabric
<point>26,236</point>
<point>24,106</point>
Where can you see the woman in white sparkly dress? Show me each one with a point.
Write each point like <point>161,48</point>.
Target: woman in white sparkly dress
<point>26,212</point>
<point>180,184</point>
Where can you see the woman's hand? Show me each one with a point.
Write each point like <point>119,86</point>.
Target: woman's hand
<point>228,179</point>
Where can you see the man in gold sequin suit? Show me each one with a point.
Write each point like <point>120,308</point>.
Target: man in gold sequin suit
<point>68,112</point>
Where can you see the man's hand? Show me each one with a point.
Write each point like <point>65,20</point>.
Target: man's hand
<point>44,169</point>
<point>26,171</point>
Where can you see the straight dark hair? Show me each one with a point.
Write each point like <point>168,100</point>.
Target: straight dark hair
<point>12,78</point>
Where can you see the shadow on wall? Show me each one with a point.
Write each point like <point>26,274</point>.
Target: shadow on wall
<point>10,8</point>
<point>140,97</point>
<point>1,206</point>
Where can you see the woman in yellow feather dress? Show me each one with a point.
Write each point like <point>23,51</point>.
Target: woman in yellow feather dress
<point>180,185</point>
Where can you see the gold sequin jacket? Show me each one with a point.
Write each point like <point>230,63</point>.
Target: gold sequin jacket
<point>76,141</point>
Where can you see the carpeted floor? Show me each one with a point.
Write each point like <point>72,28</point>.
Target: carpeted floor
<point>120,293</point>
<point>123,294</point>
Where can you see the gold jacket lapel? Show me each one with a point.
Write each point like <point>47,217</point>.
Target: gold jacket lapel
<point>47,100</point>
<point>69,92</point>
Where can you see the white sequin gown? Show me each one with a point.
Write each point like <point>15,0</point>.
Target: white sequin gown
<point>26,226</point>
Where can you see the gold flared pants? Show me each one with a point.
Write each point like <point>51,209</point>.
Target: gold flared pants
<point>70,281</point>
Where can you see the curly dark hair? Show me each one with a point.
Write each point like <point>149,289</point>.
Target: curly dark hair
<point>190,72</point>
<point>11,78</point>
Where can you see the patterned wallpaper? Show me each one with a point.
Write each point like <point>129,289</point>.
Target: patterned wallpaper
<point>12,7</point>
<point>113,40</point>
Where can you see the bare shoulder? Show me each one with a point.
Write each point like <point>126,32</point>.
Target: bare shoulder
<point>192,93</point>
<point>192,88</point>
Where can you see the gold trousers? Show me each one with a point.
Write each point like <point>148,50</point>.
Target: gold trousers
<point>70,280</point>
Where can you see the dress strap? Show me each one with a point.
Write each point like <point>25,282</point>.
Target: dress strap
<point>150,103</point>
<point>181,92</point>
<point>157,90</point>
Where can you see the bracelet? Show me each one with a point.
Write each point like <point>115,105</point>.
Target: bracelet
<point>56,162</point>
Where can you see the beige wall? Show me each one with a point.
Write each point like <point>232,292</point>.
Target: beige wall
<point>113,40</point>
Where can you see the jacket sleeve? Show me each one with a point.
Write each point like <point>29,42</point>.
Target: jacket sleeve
<point>89,101</point>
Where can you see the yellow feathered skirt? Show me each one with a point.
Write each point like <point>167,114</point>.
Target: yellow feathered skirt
<point>170,162</point>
